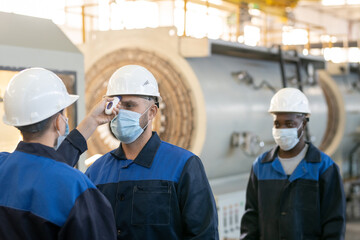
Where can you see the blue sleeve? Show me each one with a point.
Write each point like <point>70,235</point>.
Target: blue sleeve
<point>333,205</point>
<point>3,155</point>
<point>199,214</point>
<point>90,218</point>
<point>72,147</point>
<point>250,220</point>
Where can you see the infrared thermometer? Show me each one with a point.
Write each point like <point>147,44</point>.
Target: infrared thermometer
<point>110,106</point>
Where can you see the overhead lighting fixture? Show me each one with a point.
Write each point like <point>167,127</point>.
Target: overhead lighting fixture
<point>336,55</point>
<point>353,2</point>
<point>354,54</point>
<point>328,38</point>
<point>251,35</point>
<point>325,38</point>
<point>339,2</point>
<point>254,12</point>
<point>333,2</point>
<point>241,39</point>
<point>217,2</point>
<point>295,36</point>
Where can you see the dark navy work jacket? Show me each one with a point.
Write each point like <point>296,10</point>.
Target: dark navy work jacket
<point>162,194</point>
<point>72,147</point>
<point>42,198</point>
<point>309,204</point>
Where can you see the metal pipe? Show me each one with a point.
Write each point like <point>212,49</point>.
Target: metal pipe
<point>308,44</point>
<point>282,67</point>
<point>185,9</point>
<point>298,72</point>
<point>265,30</point>
<point>83,22</point>
<point>351,154</point>
<point>238,22</point>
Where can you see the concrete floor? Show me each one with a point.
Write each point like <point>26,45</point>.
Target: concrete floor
<point>353,230</point>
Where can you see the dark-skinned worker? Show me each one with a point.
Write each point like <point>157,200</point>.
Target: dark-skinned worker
<point>294,191</point>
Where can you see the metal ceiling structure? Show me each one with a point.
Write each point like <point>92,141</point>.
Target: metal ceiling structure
<point>349,12</point>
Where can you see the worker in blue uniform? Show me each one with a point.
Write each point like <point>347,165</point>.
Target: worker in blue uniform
<point>294,191</point>
<point>42,197</point>
<point>157,190</point>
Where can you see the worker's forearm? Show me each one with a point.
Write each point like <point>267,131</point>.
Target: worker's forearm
<point>87,126</point>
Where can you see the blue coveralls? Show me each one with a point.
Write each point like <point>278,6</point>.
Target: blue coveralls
<point>309,204</point>
<point>162,194</point>
<point>42,198</point>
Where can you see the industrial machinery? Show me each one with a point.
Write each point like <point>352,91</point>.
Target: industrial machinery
<point>215,96</point>
<point>215,100</point>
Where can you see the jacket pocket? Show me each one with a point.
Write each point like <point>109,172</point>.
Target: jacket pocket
<point>308,211</point>
<point>151,205</point>
<point>308,196</point>
<point>310,238</point>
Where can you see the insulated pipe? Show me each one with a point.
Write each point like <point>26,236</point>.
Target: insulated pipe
<point>336,113</point>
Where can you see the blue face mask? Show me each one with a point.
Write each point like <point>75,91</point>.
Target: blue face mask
<point>126,126</point>
<point>61,138</point>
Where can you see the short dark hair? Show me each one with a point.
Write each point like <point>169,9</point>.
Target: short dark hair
<point>153,98</point>
<point>36,130</point>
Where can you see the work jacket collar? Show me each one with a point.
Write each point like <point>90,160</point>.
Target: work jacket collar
<point>312,155</point>
<point>146,156</point>
<point>39,149</point>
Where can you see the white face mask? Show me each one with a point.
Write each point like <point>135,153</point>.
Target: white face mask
<point>286,138</point>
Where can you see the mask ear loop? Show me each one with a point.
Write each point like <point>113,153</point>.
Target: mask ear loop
<point>143,114</point>
<point>58,132</point>
<point>65,120</point>
<point>302,132</point>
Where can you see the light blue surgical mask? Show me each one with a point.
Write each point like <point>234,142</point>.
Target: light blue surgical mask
<point>61,138</point>
<point>126,125</point>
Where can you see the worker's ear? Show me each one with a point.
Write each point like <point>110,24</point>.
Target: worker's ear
<point>305,121</point>
<point>153,111</point>
<point>56,122</point>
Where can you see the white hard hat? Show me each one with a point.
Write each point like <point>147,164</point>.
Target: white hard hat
<point>133,80</point>
<point>289,100</point>
<point>33,95</point>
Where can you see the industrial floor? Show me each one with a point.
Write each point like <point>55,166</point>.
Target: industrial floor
<point>353,230</point>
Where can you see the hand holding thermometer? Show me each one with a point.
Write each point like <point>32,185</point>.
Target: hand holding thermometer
<point>110,106</point>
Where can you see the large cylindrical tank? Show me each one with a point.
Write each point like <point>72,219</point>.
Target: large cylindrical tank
<point>216,95</point>
<point>234,106</point>
<point>347,80</point>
